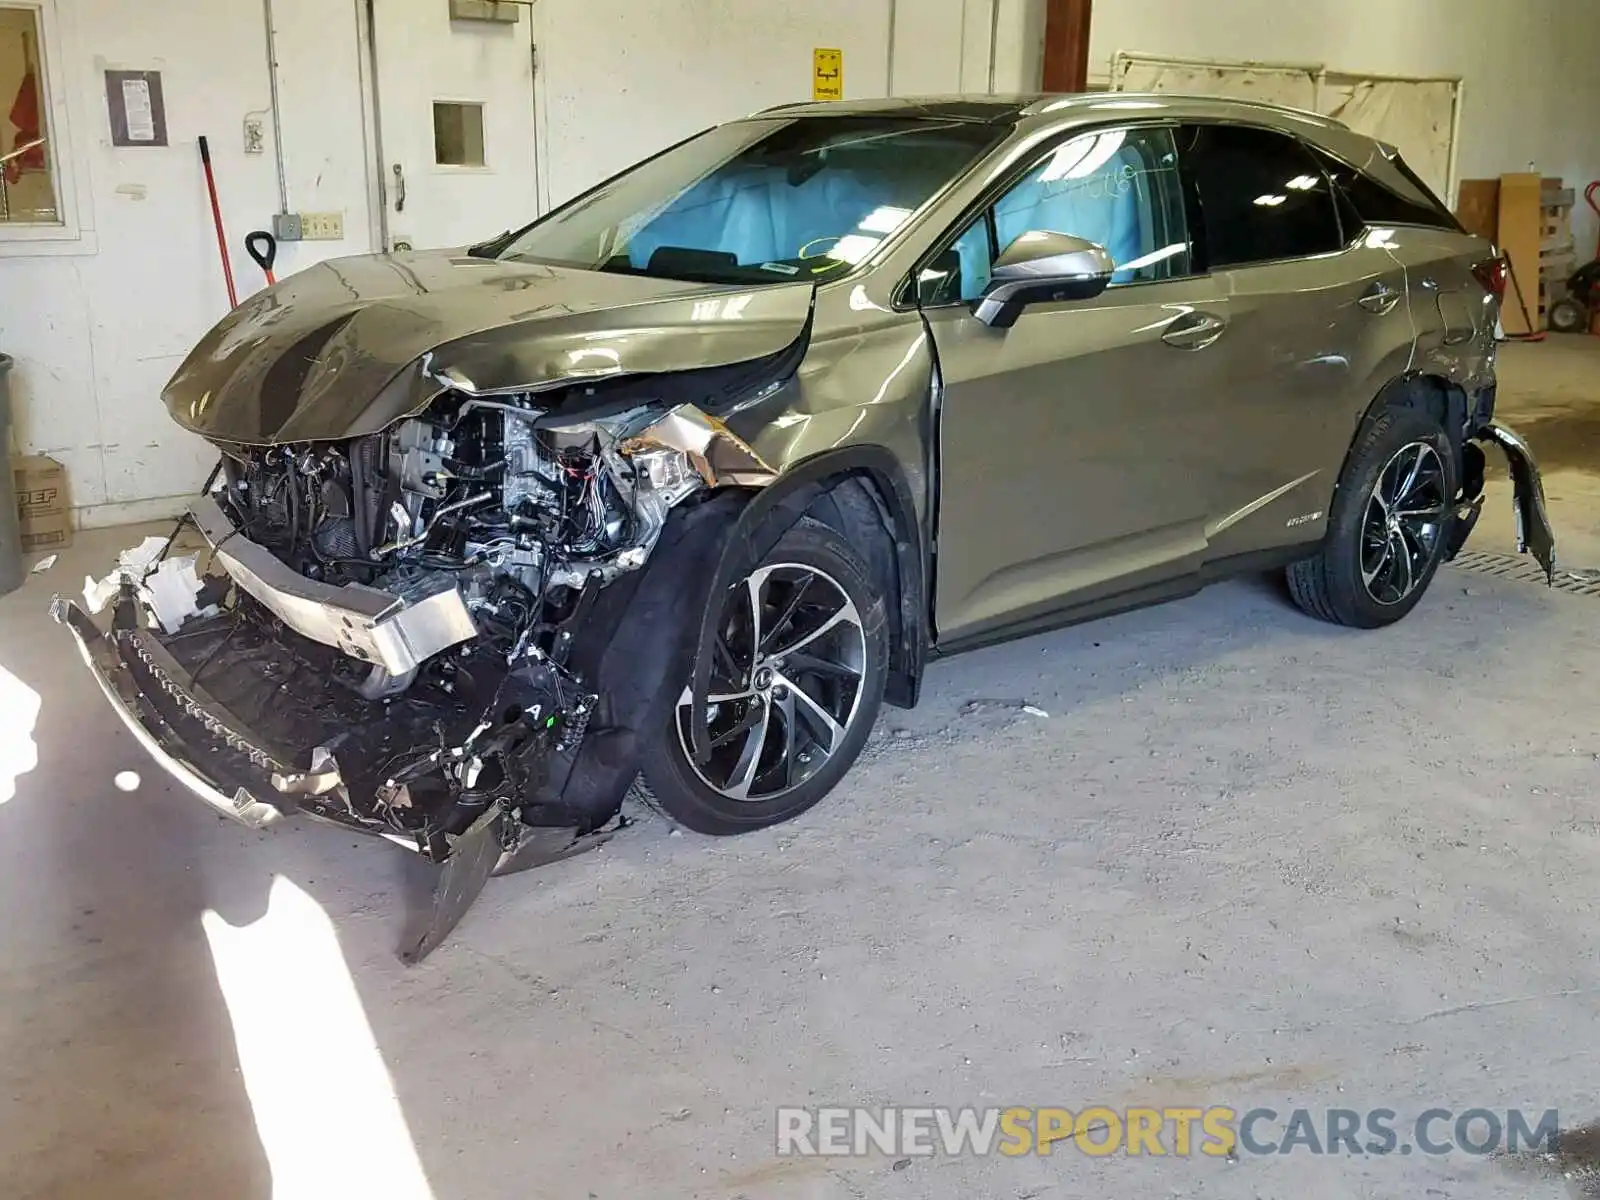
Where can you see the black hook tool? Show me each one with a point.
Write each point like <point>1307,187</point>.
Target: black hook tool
<point>262,247</point>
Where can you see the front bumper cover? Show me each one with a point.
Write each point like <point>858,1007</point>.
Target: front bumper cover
<point>240,775</point>
<point>226,766</point>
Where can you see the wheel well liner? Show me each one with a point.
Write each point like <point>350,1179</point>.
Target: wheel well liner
<point>1446,402</point>
<point>855,489</point>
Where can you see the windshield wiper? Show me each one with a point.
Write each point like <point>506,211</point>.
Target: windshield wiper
<point>494,247</point>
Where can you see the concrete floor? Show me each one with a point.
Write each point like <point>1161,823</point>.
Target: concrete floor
<point>1246,859</point>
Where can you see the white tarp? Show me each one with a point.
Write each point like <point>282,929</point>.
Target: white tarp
<point>1289,87</point>
<point>1415,115</point>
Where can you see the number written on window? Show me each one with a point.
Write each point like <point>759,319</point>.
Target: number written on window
<point>1116,187</point>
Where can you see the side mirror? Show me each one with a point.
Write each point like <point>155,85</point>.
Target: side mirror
<point>1042,267</point>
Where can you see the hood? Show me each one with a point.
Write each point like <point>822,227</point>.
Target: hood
<point>350,346</point>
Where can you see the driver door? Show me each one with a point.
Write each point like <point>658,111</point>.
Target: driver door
<point>1071,445</point>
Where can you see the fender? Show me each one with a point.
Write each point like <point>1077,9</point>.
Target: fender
<point>773,511</point>
<point>1399,390</point>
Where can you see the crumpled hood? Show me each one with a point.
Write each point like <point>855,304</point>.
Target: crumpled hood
<point>350,346</point>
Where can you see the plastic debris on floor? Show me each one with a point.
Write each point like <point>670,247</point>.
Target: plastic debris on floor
<point>168,587</point>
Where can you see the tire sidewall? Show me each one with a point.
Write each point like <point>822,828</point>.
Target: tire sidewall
<point>680,792</point>
<point>1383,438</point>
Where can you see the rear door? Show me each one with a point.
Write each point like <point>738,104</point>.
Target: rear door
<point>1453,313</point>
<point>1072,445</point>
<point>1317,321</point>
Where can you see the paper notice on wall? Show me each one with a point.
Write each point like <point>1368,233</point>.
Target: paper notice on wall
<point>141,112</point>
<point>827,74</point>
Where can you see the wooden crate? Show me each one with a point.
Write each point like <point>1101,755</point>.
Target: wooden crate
<point>1478,207</point>
<point>1519,224</point>
<point>1557,255</point>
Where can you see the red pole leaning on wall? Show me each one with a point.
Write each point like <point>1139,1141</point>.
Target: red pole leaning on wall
<point>216,217</point>
<point>1066,45</point>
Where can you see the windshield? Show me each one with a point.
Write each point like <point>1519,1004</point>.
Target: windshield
<point>761,201</point>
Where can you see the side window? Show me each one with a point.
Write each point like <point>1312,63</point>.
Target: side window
<point>962,270</point>
<point>1262,194</point>
<point>1117,187</point>
<point>1373,203</point>
<point>27,181</point>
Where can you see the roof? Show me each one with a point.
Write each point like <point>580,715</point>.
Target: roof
<point>1062,102</point>
<point>996,109</point>
<point>982,109</point>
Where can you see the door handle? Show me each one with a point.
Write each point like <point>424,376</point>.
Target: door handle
<point>399,188</point>
<point>1194,331</point>
<point>1380,299</point>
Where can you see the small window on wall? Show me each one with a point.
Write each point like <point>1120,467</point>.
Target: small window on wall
<point>28,191</point>
<point>457,134</point>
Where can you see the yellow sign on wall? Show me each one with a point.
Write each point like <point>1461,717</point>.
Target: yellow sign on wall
<point>827,78</point>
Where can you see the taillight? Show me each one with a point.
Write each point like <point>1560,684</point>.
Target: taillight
<point>1493,274</point>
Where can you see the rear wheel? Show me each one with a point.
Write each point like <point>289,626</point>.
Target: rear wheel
<point>1389,526</point>
<point>797,677</point>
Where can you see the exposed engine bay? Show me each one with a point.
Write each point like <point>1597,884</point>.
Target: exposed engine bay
<point>472,489</point>
<point>390,638</point>
<point>509,530</point>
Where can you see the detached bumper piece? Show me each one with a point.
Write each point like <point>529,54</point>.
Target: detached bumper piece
<point>1535,535</point>
<point>252,724</point>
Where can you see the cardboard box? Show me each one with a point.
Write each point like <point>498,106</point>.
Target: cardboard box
<point>43,509</point>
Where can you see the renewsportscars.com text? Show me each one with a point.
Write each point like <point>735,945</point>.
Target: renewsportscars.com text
<point>1217,1132</point>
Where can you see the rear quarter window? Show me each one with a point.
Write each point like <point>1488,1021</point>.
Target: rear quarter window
<point>1375,203</point>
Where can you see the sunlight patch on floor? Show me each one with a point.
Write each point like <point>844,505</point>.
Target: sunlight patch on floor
<point>325,1107</point>
<point>19,713</point>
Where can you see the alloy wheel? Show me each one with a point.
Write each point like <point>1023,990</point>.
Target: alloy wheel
<point>1403,523</point>
<point>786,683</point>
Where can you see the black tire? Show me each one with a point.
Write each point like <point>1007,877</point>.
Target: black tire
<point>1568,316</point>
<point>676,788</point>
<point>1333,585</point>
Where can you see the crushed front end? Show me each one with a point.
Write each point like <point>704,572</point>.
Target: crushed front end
<point>408,633</point>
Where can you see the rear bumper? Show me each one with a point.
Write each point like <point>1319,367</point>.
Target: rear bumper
<point>1535,534</point>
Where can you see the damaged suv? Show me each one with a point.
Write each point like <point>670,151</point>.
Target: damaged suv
<point>679,483</point>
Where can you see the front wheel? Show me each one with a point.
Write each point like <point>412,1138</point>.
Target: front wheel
<point>1389,526</point>
<point>797,677</point>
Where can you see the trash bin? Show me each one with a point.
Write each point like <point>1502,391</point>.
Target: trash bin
<point>10,531</point>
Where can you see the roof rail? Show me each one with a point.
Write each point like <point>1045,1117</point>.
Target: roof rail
<point>1055,103</point>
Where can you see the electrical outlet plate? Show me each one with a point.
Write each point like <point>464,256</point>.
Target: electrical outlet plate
<point>322,227</point>
<point>286,227</point>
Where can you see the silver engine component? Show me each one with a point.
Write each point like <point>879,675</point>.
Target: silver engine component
<point>548,507</point>
<point>473,522</point>
<point>530,475</point>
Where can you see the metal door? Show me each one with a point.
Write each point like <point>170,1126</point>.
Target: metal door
<point>456,128</point>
